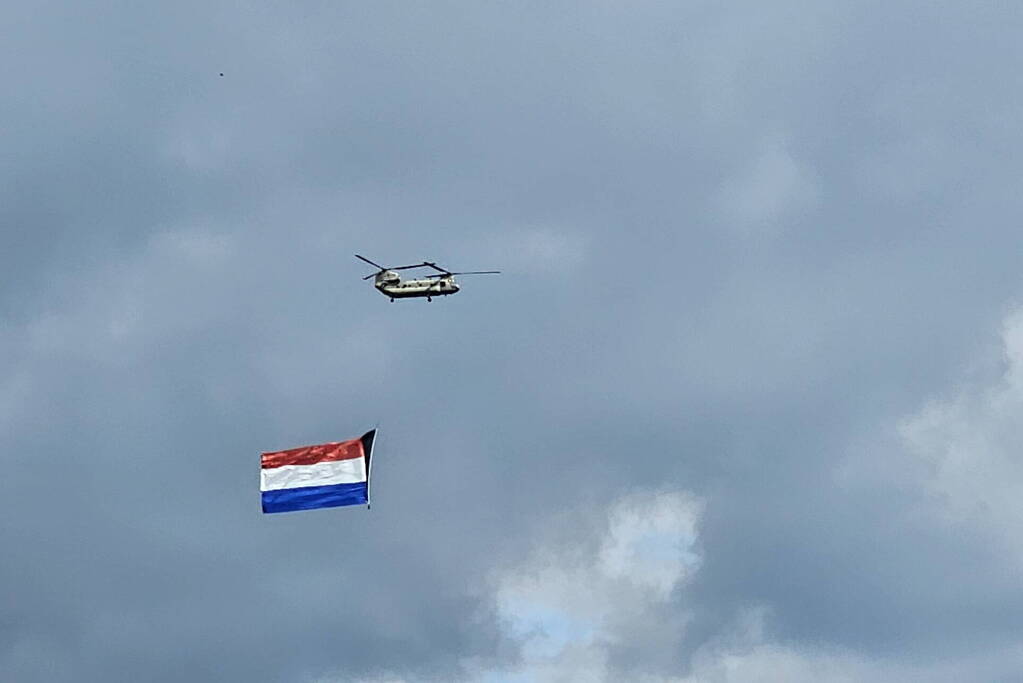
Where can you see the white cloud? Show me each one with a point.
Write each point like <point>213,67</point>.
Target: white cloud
<point>744,655</point>
<point>651,541</point>
<point>569,606</point>
<point>759,661</point>
<point>566,604</point>
<point>972,446</point>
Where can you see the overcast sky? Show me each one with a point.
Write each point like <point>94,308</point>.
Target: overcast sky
<point>746,403</point>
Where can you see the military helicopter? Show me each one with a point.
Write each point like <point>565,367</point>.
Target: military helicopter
<point>442,283</point>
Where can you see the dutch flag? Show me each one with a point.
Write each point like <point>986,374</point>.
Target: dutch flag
<point>324,476</point>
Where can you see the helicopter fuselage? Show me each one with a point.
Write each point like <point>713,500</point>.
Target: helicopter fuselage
<point>410,289</point>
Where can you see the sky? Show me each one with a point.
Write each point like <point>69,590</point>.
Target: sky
<point>745,404</point>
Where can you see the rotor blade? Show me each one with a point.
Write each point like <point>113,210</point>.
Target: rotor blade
<point>363,258</point>
<point>418,265</point>
<point>467,272</point>
<point>370,275</point>
<point>436,267</point>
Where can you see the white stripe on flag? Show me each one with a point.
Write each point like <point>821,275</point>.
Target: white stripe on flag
<point>350,471</point>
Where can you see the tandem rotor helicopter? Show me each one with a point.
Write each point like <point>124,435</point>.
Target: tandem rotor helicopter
<point>442,283</point>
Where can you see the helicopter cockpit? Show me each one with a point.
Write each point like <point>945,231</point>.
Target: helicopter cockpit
<point>388,277</point>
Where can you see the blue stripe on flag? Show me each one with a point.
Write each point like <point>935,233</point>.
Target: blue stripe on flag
<point>311,497</point>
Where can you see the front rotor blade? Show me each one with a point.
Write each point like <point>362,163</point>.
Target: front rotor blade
<point>477,272</point>
<point>363,258</point>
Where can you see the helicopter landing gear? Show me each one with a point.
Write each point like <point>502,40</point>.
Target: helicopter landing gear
<point>428,299</point>
<point>392,301</point>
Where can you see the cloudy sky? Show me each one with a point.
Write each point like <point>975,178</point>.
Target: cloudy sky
<point>746,403</point>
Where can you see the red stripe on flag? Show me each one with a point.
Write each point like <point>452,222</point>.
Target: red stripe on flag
<point>310,455</point>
